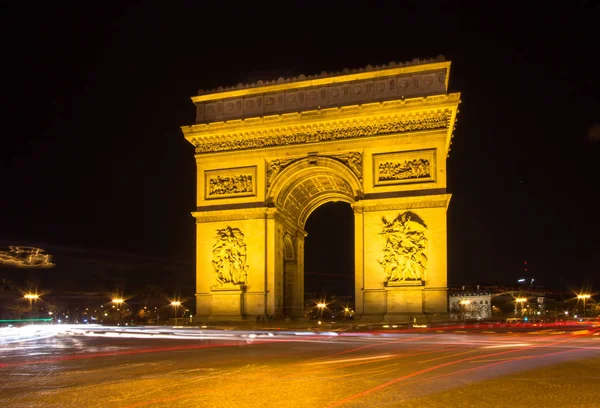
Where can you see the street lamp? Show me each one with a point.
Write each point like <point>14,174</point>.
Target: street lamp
<point>521,301</point>
<point>32,298</point>
<point>584,298</point>
<point>175,305</point>
<point>118,302</point>
<point>321,307</point>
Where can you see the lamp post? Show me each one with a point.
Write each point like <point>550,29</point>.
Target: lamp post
<point>321,307</point>
<point>118,302</point>
<point>463,309</point>
<point>584,298</point>
<point>521,301</point>
<point>32,298</point>
<point>175,305</point>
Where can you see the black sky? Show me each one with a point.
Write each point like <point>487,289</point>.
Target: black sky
<point>94,95</point>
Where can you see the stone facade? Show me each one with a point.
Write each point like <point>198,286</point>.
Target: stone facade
<point>264,167</point>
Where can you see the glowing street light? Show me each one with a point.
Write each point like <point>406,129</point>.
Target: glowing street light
<point>584,298</point>
<point>321,307</point>
<point>118,302</point>
<point>175,305</point>
<point>520,300</point>
<point>32,298</point>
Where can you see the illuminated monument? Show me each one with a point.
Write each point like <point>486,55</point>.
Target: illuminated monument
<point>268,154</point>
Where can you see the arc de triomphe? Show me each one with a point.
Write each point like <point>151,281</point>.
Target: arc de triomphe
<point>268,154</point>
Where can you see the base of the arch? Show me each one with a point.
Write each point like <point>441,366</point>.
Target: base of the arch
<point>403,301</point>
<point>228,303</point>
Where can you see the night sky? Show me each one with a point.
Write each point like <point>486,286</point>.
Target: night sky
<point>93,98</point>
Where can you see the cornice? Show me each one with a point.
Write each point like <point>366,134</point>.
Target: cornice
<point>403,203</point>
<point>346,122</point>
<point>232,215</point>
<point>302,81</point>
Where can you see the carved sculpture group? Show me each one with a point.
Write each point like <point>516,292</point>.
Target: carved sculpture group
<point>404,254</point>
<point>350,132</point>
<point>221,185</point>
<point>406,170</point>
<point>229,257</point>
<point>351,159</point>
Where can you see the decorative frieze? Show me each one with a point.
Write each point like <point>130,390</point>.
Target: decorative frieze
<point>316,134</point>
<point>404,167</point>
<point>226,183</point>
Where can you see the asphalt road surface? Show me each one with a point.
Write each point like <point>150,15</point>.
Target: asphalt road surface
<point>195,368</point>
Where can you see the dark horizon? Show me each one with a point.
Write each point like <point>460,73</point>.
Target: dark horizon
<point>94,158</point>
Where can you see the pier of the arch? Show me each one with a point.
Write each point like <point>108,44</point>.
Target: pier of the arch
<point>267,158</point>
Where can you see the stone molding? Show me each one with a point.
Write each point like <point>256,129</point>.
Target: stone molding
<point>301,116</point>
<point>335,94</point>
<point>231,215</point>
<point>402,203</point>
<point>257,213</point>
<point>440,119</point>
<point>407,66</point>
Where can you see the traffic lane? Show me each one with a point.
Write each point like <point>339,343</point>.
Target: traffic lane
<point>248,374</point>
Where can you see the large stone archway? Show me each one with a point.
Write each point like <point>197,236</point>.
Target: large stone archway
<point>269,154</point>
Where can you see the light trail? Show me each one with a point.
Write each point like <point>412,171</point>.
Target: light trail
<point>508,345</point>
<point>115,353</point>
<point>348,360</point>
<point>439,366</point>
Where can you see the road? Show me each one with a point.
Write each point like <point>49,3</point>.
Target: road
<point>203,368</point>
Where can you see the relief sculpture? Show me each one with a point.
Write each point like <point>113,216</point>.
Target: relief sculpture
<point>350,132</point>
<point>352,159</point>
<point>275,166</point>
<point>226,185</point>
<point>404,254</point>
<point>405,170</point>
<point>229,257</point>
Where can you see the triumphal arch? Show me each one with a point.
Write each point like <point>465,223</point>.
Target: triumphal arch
<point>269,153</point>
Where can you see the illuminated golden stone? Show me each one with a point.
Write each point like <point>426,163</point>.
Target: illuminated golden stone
<point>269,154</point>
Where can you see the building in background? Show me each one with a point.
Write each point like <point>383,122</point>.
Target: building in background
<point>470,304</point>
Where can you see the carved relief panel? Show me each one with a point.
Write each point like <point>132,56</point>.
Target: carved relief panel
<point>228,183</point>
<point>229,257</point>
<point>404,256</point>
<point>353,160</point>
<point>404,167</point>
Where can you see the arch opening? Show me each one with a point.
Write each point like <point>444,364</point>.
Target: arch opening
<point>305,185</point>
<point>329,261</point>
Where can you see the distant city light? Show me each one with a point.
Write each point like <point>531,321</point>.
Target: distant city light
<point>25,257</point>
<point>521,280</point>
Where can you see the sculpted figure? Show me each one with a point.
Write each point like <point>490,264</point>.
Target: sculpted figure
<point>229,257</point>
<point>404,257</point>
